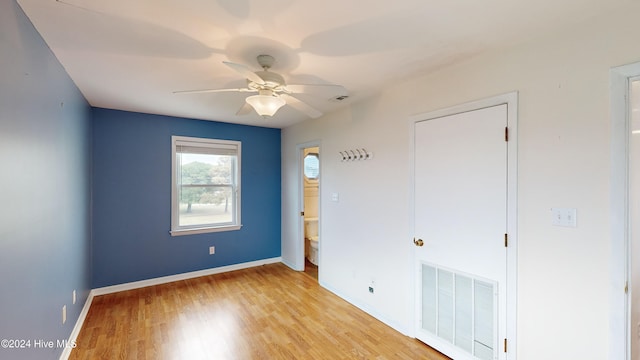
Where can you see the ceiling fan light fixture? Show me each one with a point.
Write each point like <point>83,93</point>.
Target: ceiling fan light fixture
<point>266,103</point>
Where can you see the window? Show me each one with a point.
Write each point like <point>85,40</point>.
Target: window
<point>311,166</point>
<point>205,194</point>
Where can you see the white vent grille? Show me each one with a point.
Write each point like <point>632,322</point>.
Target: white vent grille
<point>460,309</point>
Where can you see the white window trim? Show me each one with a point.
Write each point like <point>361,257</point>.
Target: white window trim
<point>176,230</point>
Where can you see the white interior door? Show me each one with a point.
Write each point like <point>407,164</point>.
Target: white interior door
<point>634,215</point>
<point>460,221</point>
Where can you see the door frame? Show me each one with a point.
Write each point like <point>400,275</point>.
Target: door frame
<point>511,100</point>
<point>299,254</point>
<point>619,306</point>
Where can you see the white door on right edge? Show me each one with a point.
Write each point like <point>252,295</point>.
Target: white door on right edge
<point>460,217</point>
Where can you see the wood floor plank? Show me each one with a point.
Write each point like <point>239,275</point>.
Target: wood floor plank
<point>267,312</point>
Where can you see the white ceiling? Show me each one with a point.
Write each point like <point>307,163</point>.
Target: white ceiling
<point>132,55</point>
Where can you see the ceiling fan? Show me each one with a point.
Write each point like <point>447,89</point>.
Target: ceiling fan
<point>273,92</point>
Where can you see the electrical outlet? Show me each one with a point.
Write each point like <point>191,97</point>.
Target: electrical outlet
<point>73,296</point>
<point>64,314</point>
<point>212,250</point>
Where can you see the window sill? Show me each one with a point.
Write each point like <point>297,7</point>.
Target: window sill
<point>204,230</point>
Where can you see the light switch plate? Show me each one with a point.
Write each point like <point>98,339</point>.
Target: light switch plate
<point>566,217</point>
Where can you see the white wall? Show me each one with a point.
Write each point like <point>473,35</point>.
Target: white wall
<point>45,187</point>
<point>564,158</point>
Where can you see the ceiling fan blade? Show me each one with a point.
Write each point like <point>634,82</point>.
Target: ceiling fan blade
<point>212,90</point>
<point>310,88</point>
<point>301,106</point>
<point>245,109</point>
<point>245,71</point>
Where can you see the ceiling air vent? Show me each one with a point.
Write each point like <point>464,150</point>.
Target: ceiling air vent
<point>339,98</point>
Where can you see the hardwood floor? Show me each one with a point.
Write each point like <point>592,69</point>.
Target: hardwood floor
<point>310,269</point>
<point>267,312</point>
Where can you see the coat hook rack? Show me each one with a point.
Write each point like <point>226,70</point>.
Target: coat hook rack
<point>355,155</point>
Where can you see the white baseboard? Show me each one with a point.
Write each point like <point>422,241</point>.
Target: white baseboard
<point>394,325</point>
<point>183,276</point>
<point>77,327</point>
<point>150,282</point>
<point>292,266</point>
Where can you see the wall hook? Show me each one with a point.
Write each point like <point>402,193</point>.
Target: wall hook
<point>355,154</point>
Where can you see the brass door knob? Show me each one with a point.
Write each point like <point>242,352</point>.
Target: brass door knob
<point>418,242</point>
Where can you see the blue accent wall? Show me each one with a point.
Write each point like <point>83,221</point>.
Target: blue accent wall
<point>45,183</point>
<point>132,198</point>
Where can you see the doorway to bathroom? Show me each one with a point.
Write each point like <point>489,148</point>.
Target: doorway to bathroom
<point>311,208</point>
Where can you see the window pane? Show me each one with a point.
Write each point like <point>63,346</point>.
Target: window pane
<point>210,205</point>
<point>205,169</point>
<point>206,189</point>
<point>311,166</point>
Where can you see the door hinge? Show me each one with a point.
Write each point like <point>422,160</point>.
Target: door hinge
<point>301,213</point>
<point>505,345</point>
<point>506,240</point>
<point>626,287</point>
<point>506,134</point>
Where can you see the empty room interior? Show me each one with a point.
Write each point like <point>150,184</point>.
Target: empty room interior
<point>323,180</point>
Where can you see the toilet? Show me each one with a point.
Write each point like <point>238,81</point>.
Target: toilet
<point>313,250</point>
